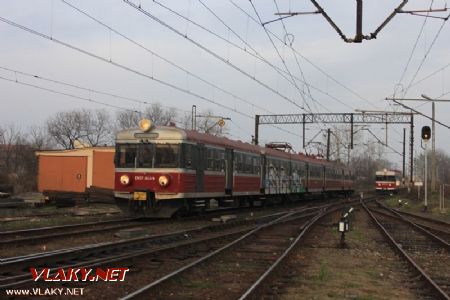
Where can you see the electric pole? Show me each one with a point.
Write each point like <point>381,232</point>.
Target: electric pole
<point>433,144</point>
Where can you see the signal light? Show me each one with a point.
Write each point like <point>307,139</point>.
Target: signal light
<point>426,133</point>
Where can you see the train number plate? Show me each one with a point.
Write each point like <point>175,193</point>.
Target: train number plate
<point>141,196</point>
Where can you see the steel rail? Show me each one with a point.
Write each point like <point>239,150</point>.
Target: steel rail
<point>419,227</point>
<point>426,227</point>
<point>4,234</point>
<point>206,257</point>
<point>397,247</point>
<point>282,257</point>
<point>157,240</point>
<point>440,222</point>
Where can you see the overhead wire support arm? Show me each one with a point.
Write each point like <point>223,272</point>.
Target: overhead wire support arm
<point>418,13</point>
<point>328,18</point>
<point>285,15</point>
<point>374,34</point>
<point>418,112</point>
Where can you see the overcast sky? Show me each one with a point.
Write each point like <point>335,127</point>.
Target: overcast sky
<point>241,70</point>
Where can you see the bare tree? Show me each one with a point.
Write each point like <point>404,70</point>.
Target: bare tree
<point>96,127</point>
<point>65,128</point>
<point>209,123</point>
<point>160,115</point>
<point>155,112</point>
<point>80,125</point>
<point>39,139</point>
<point>127,119</point>
<point>17,160</point>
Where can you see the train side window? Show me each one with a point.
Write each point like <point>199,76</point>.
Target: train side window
<point>256,165</point>
<point>210,159</point>
<point>248,164</point>
<point>188,156</point>
<point>219,156</point>
<point>239,163</point>
<point>221,161</point>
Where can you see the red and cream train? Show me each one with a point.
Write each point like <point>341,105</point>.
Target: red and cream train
<point>161,170</point>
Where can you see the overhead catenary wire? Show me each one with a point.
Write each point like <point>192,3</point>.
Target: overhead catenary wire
<point>425,55</point>
<point>177,66</point>
<point>211,52</point>
<point>306,59</point>
<point>414,47</point>
<point>126,68</point>
<point>90,90</point>
<point>281,58</point>
<point>315,102</point>
<point>280,71</point>
<point>17,81</point>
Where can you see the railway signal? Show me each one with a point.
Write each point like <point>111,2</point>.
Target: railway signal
<point>426,133</point>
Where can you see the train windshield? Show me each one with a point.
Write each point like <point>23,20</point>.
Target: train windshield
<point>147,156</point>
<point>167,156</point>
<point>385,178</point>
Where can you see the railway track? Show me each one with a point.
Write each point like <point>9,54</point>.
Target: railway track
<point>15,270</point>
<point>238,268</point>
<point>35,235</point>
<point>426,252</point>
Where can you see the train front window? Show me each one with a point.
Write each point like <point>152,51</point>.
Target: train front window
<point>145,156</point>
<point>384,178</point>
<point>126,156</point>
<point>167,156</point>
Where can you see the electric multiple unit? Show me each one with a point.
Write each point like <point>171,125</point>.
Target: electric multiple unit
<point>162,170</point>
<point>388,181</point>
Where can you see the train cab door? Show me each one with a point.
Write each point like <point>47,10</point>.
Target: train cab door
<point>307,183</point>
<point>324,178</point>
<point>229,170</point>
<point>263,174</point>
<point>200,171</point>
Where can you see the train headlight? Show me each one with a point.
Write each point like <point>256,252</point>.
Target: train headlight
<point>124,180</point>
<point>164,180</point>
<point>145,125</point>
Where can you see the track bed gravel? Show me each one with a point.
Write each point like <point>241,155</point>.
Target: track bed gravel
<point>367,268</point>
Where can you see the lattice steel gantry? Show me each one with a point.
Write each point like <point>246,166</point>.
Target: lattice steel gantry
<point>341,118</point>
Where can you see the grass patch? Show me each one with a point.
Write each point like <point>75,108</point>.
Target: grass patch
<point>323,272</point>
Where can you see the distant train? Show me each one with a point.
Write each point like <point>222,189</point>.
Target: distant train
<point>163,170</point>
<point>388,181</point>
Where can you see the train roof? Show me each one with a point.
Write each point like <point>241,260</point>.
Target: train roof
<point>388,172</point>
<point>169,133</point>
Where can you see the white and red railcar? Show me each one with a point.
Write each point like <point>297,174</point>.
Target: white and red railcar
<point>166,169</point>
<point>388,181</point>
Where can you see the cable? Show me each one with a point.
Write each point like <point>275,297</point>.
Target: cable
<point>305,58</point>
<point>68,95</point>
<point>425,56</point>
<point>163,58</point>
<point>415,46</point>
<point>180,89</point>
<point>90,90</point>
<point>258,56</point>
<point>279,55</point>
<point>29,30</point>
<point>256,53</point>
<point>214,54</point>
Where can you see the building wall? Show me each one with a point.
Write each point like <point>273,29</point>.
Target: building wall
<point>62,173</point>
<point>75,170</point>
<point>103,169</point>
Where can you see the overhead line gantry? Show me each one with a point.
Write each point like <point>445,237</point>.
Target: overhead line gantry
<point>341,118</point>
